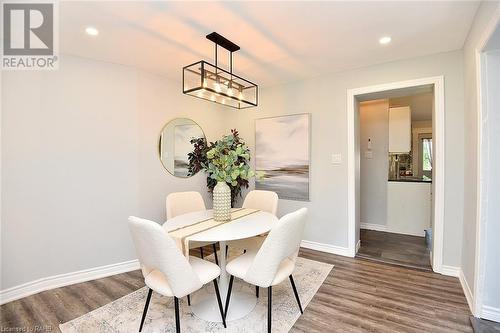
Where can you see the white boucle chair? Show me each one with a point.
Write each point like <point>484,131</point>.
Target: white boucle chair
<point>179,203</point>
<point>266,201</point>
<point>274,261</point>
<point>166,270</point>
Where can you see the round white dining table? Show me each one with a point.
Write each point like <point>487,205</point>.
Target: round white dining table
<point>203,302</point>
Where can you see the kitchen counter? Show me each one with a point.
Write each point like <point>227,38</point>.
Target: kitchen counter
<point>411,180</point>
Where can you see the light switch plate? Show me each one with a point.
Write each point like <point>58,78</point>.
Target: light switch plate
<point>369,154</point>
<point>336,159</point>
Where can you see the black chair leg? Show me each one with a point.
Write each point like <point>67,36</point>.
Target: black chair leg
<point>216,286</point>
<point>296,293</point>
<point>189,300</point>
<point>215,254</point>
<point>145,308</point>
<point>269,307</point>
<point>228,295</point>
<point>177,316</point>
<point>227,248</point>
<point>201,252</point>
<point>257,291</point>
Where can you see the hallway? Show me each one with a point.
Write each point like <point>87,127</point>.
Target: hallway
<point>396,249</point>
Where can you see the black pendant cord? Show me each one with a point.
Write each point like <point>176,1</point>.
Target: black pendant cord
<point>230,64</point>
<point>216,64</point>
<point>230,85</point>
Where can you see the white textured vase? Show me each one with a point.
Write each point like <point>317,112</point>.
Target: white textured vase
<point>222,202</point>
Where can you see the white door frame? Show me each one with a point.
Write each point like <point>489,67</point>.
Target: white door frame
<point>481,218</point>
<point>438,164</point>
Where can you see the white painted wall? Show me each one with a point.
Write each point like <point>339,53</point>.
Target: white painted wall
<point>421,124</point>
<point>325,98</point>
<point>491,289</point>
<point>79,155</point>
<point>374,125</point>
<point>483,17</point>
<point>420,105</point>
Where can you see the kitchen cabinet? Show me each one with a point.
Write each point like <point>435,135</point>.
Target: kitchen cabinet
<point>400,130</point>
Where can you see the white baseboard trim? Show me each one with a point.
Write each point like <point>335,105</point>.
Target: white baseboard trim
<point>342,251</point>
<point>373,226</point>
<point>467,291</point>
<point>490,313</point>
<point>450,270</point>
<point>56,281</point>
<point>381,227</point>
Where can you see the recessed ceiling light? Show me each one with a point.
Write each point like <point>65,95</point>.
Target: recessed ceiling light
<point>92,31</point>
<point>384,40</point>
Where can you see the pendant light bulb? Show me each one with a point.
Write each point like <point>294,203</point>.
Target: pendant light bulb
<point>217,87</point>
<point>212,98</point>
<point>205,84</point>
<point>230,91</point>
<point>240,96</point>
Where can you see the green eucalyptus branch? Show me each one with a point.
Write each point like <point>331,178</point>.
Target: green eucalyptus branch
<point>226,160</point>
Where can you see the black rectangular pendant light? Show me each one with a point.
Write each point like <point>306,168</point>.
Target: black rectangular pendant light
<point>212,83</point>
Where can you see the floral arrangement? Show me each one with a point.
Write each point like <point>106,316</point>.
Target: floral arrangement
<point>226,160</point>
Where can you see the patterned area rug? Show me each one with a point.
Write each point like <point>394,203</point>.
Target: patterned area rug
<point>124,314</point>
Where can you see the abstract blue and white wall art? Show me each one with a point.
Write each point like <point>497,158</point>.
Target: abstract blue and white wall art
<point>282,153</point>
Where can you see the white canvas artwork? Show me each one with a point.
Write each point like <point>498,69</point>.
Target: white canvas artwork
<point>282,154</point>
<point>182,146</point>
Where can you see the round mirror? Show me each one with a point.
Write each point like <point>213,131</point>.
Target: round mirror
<point>175,144</point>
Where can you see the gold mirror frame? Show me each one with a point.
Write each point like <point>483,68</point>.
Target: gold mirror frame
<point>169,162</point>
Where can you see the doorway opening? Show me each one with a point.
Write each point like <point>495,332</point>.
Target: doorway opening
<point>396,176</point>
<point>395,163</point>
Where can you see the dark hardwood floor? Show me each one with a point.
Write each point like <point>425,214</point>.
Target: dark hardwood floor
<point>358,296</point>
<point>397,249</point>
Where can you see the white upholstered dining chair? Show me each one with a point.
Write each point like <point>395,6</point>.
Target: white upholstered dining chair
<point>179,203</point>
<point>273,262</point>
<point>266,201</point>
<point>166,270</point>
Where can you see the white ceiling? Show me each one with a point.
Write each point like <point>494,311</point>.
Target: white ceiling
<point>418,98</point>
<point>420,105</point>
<point>280,41</point>
<point>396,93</point>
